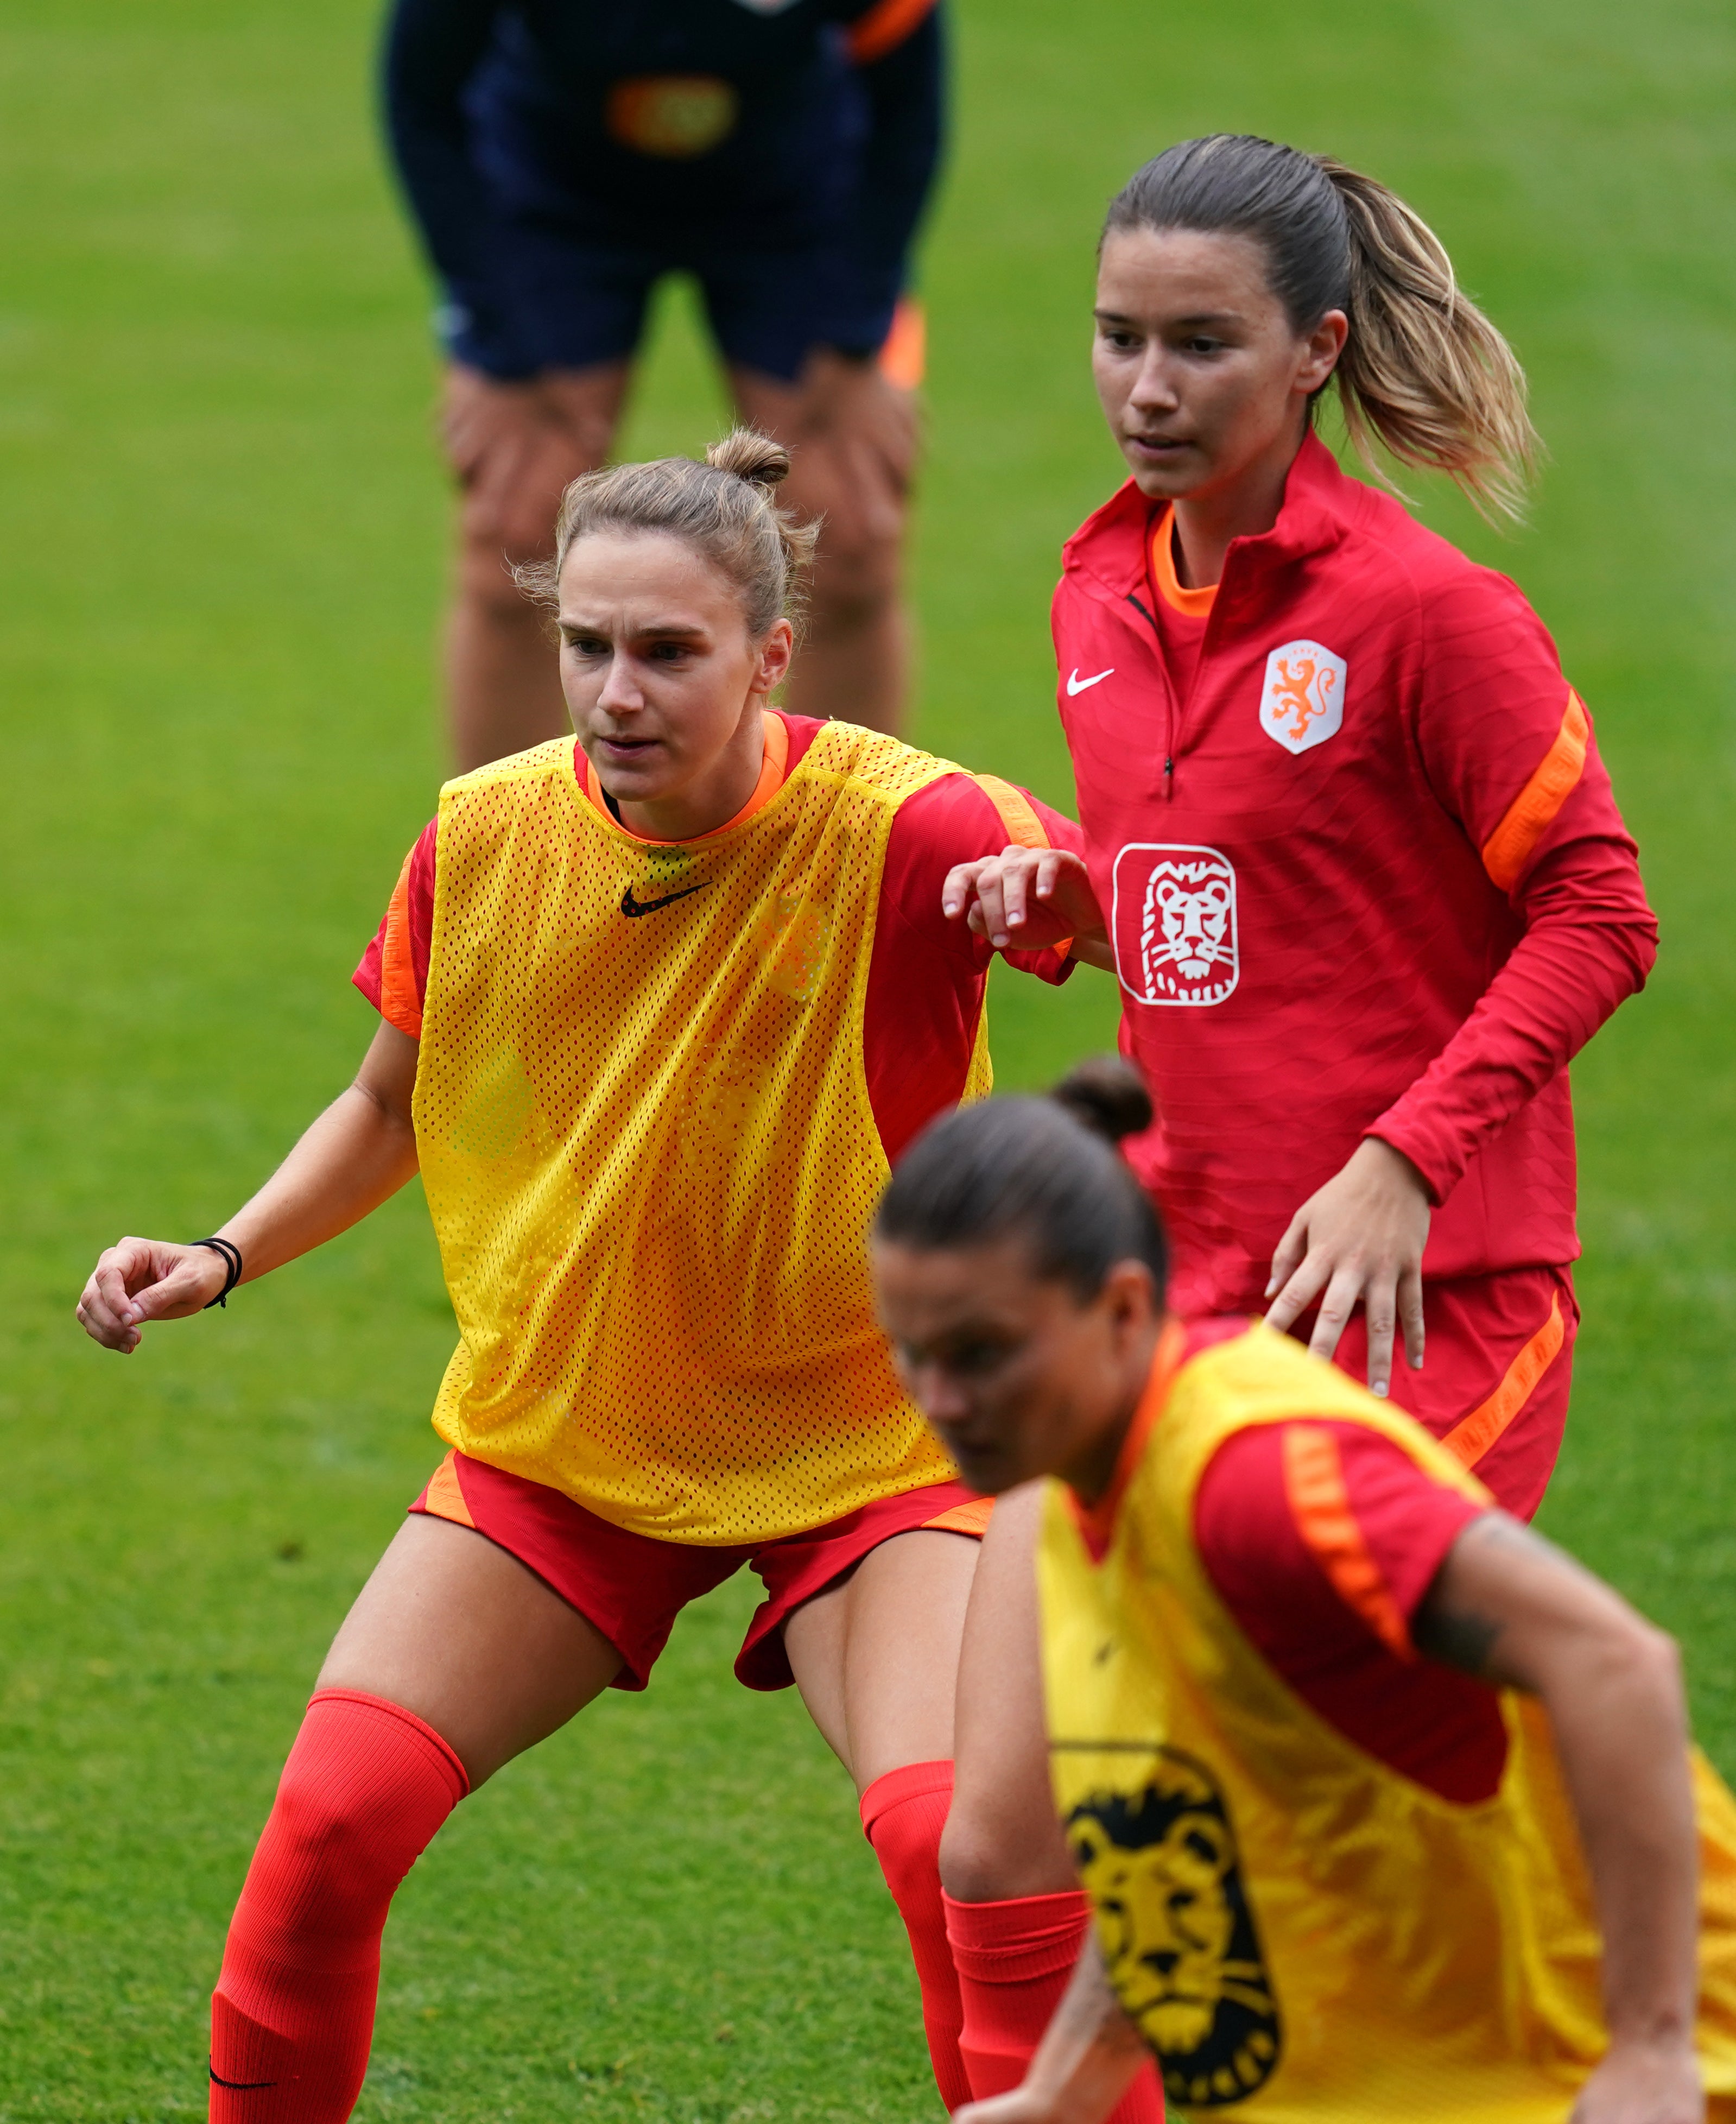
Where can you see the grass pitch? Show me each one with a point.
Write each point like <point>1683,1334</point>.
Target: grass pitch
<point>222,535</point>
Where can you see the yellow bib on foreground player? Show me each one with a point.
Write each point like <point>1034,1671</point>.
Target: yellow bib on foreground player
<point>1297,1930</point>
<point>1301,1933</point>
<point>557,1142</point>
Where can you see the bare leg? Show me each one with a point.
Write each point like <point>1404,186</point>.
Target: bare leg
<point>852,439</point>
<point>876,1661</point>
<point>455,1630</point>
<point>453,1659</point>
<point>514,448</point>
<point>1016,1917</point>
<point>1003,1838</point>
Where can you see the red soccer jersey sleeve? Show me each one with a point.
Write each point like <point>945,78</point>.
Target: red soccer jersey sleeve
<point>1322,1538</point>
<point>393,973</point>
<point>926,980</point>
<point>1511,751</point>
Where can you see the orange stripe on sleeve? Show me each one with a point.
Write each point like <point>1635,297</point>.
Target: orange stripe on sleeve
<point>1023,826</point>
<point>884,27</point>
<point>1024,829</point>
<point>1508,849</point>
<point>444,1497</point>
<point>1472,1436</point>
<point>1319,1504</point>
<point>400,1004</point>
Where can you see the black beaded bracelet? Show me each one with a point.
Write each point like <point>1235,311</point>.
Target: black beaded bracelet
<point>232,1260</point>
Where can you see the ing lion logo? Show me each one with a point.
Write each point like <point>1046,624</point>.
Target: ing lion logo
<point>1173,923</point>
<point>1161,1868</point>
<point>1303,702</point>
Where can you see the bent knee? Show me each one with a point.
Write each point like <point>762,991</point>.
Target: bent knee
<point>856,582</point>
<point>974,1869</point>
<point>989,1858</point>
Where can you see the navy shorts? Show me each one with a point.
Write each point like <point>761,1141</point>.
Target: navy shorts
<point>583,300</point>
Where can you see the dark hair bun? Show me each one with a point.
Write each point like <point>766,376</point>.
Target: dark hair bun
<point>1106,1094</point>
<point>751,456</point>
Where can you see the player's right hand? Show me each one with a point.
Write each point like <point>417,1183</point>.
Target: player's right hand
<point>142,1280</point>
<point>1025,898</point>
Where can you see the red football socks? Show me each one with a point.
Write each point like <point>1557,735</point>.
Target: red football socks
<point>366,1786</point>
<point>1014,1959</point>
<point>903,1814</point>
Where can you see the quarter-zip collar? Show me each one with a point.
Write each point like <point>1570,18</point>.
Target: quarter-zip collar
<point>1321,505</point>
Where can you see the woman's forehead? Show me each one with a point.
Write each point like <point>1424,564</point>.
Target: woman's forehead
<point>1184,271</point>
<point>611,568</point>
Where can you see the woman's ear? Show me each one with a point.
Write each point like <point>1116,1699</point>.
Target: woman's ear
<point>1130,1293</point>
<point>1321,350</point>
<point>776,653</point>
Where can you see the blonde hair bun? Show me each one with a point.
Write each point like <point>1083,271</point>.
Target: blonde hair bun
<point>764,551</point>
<point>751,456</point>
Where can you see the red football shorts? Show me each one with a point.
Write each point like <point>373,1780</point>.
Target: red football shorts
<point>1498,1360</point>
<point>632,1588</point>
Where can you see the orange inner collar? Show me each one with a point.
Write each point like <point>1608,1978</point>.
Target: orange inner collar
<point>1195,604</point>
<point>773,769</point>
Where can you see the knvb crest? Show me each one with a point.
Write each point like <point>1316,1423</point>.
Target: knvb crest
<point>1303,702</point>
<point>1160,1867</point>
<point>1174,923</point>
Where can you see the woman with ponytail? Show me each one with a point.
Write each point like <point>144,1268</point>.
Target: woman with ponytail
<point>1351,850</point>
<point>1351,847</point>
<point>658,1008</point>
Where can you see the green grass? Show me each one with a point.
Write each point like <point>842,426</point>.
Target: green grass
<point>221,556</point>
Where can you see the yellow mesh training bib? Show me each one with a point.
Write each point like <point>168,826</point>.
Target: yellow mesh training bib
<point>1303,1935</point>
<point>645,1136</point>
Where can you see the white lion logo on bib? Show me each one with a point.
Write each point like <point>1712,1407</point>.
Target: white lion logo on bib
<point>1173,923</point>
<point>1302,702</point>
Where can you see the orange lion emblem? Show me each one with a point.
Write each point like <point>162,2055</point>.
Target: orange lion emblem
<point>1303,702</point>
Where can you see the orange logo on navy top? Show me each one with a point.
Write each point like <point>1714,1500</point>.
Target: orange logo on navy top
<point>1302,702</point>
<point>673,115</point>
<point>1160,1866</point>
<point>1173,923</point>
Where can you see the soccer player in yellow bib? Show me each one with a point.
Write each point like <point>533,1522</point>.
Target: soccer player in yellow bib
<point>1385,1807</point>
<point>658,1008</point>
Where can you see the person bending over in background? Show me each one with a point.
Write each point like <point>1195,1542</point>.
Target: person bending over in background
<point>560,156</point>
<point>1384,1806</point>
<point>1352,852</point>
<point>658,1008</point>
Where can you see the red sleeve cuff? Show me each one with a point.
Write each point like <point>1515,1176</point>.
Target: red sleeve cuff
<point>367,975</point>
<point>1435,1153</point>
<point>1053,966</point>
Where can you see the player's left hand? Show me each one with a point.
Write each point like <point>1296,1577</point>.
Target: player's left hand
<point>1025,899</point>
<point>1644,2084</point>
<point>1360,1239</point>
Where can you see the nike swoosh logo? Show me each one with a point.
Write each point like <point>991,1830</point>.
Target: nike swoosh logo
<point>629,905</point>
<point>217,2080</point>
<point>1076,684</point>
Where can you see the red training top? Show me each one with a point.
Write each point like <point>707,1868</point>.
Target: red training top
<point>925,979</point>
<point>1330,1613</point>
<point>1363,871</point>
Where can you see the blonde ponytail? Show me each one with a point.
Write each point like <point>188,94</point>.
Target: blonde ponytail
<point>1423,369</point>
<point>1424,372</point>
